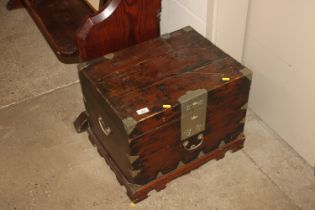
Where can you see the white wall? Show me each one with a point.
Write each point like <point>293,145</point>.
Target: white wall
<point>227,25</point>
<point>180,13</point>
<point>280,49</point>
<point>222,21</point>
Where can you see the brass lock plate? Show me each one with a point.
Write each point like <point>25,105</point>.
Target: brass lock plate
<point>193,113</point>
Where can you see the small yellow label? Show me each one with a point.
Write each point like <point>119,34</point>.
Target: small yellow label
<point>226,78</point>
<point>167,106</point>
<point>133,205</point>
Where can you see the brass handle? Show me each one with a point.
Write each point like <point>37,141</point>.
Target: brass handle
<point>106,129</point>
<point>193,147</point>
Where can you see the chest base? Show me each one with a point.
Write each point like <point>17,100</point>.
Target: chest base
<point>138,193</point>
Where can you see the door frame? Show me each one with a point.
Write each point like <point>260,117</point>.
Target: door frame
<point>226,25</point>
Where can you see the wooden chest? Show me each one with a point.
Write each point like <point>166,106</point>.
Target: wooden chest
<point>159,109</point>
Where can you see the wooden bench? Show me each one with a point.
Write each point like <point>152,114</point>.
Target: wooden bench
<point>78,32</point>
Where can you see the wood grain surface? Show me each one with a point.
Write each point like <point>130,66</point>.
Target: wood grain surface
<point>76,31</point>
<point>159,72</point>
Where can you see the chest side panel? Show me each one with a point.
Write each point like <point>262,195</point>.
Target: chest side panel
<point>105,125</point>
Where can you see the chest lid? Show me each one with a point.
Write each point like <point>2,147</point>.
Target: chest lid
<point>147,85</point>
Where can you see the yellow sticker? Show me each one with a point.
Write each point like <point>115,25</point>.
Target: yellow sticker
<point>226,79</point>
<point>167,106</point>
<point>133,205</point>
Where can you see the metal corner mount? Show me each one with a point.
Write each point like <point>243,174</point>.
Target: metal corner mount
<point>244,107</point>
<point>247,73</point>
<point>83,65</point>
<point>132,158</point>
<point>243,120</point>
<point>129,124</point>
<point>134,173</point>
<point>193,112</point>
<point>160,174</point>
<point>109,56</point>
<point>165,36</point>
<point>188,28</point>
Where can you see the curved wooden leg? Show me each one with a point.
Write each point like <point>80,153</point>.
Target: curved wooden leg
<point>81,123</point>
<point>14,4</point>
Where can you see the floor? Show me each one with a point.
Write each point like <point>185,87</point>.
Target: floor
<point>45,164</point>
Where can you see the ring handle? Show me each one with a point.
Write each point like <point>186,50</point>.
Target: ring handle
<point>193,147</point>
<point>106,129</point>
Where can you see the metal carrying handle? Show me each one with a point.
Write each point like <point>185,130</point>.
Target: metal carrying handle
<point>193,147</point>
<point>106,129</point>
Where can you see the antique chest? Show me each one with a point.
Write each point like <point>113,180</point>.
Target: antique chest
<point>159,109</point>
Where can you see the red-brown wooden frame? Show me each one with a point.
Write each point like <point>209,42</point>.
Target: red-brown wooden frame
<point>101,33</point>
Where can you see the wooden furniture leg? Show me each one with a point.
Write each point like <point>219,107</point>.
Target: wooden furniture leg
<point>14,4</point>
<point>81,123</point>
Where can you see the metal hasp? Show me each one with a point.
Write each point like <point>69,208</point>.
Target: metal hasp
<point>193,113</point>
